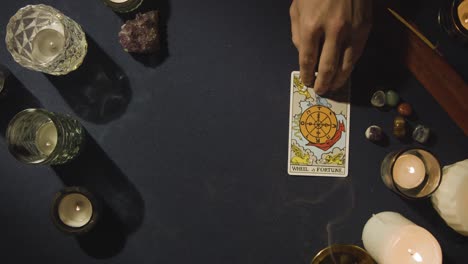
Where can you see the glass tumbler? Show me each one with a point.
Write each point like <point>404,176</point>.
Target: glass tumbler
<point>36,136</point>
<point>412,173</point>
<point>41,38</point>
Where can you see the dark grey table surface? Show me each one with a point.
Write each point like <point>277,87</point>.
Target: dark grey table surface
<point>189,150</point>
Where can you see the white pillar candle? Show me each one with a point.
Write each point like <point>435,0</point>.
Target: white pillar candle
<point>75,210</point>
<point>47,44</point>
<point>392,239</point>
<point>119,1</point>
<point>408,171</point>
<point>46,138</point>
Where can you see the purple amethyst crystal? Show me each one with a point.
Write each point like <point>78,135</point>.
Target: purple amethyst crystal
<point>141,35</point>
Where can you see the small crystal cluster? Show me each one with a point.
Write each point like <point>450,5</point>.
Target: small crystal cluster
<point>141,35</point>
<point>391,99</point>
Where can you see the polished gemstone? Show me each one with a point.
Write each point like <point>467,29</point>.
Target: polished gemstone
<point>399,127</point>
<point>374,133</point>
<point>421,133</point>
<point>392,98</point>
<point>405,109</point>
<point>378,99</point>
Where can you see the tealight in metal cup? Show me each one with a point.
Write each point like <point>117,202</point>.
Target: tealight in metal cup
<point>75,210</point>
<point>41,38</point>
<point>412,173</point>
<point>37,136</point>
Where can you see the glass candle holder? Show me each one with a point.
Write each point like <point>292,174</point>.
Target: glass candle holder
<point>453,18</point>
<point>412,173</point>
<point>4,73</point>
<point>75,210</point>
<point>36,136</point>
<point>123,6</point>
<point>342,254</point>
<point>41,38</point>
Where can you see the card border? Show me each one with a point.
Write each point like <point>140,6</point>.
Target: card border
<point>348,129</point>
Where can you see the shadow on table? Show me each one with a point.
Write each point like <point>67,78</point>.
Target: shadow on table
<point>122,204</point>
<point>98,91</point>
<point>163,6</point>
<point>13,99</point>
<point>381,66</point>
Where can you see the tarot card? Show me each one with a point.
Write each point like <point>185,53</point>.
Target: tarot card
<point>318,132</point>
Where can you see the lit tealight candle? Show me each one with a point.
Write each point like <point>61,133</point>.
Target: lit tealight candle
<point>392,239</point>
<point>408,171</point>
<point>46,138</point>
<point>123,6</point>
<point>47,44</point>
<point>75,210</point>
<point>463,13</point>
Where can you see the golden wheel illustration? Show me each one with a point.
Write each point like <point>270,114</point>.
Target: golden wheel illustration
<point>318,124</point>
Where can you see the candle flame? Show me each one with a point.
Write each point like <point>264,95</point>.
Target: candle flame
<point>52,45</point>
<point>78,208</point>
<point>411,170</point>
<point>416,256</point>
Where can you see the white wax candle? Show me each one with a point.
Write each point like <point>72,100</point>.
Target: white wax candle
<point>47,44</point>
<point>46,138</point>
<point>408,171</point>
<point>75,210</point>
<point>392,239</point>
<point>119,1</point>
<point>451,198</point>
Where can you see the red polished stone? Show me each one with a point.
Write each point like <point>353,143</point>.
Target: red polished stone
<point>405,109</point>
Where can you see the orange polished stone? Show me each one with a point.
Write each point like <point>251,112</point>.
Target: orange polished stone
<point>405,109</point>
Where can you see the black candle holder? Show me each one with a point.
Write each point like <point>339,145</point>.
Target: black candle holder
<point>96,208</point>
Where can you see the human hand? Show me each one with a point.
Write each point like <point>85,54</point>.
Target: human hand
<point>340,28</point>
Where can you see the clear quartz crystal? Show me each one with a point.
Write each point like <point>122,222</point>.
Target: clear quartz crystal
<point>41,38</point>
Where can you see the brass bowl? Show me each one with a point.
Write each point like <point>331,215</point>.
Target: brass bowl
<point>342,254</point>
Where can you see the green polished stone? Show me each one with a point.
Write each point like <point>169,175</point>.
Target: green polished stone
<point>392,98</point>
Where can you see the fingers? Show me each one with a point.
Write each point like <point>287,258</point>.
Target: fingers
<point>344,70</point>
<point>328,64</point>
<point>351,55</point>
<point>308,53</point>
